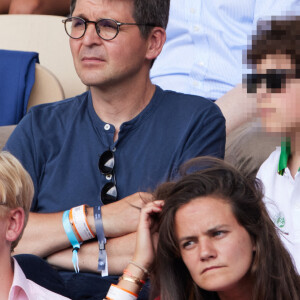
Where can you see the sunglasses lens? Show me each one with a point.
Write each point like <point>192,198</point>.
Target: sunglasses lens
<point>106,166</point>
<point>252,81</point>
<point>106,162</point>
<point>109,193</point>
<point>275,82</point>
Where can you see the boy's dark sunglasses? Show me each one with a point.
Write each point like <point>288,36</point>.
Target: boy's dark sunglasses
<point>106,166</point>
<point>275,80</point>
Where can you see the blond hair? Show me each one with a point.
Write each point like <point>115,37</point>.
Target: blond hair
<point>16,187</point>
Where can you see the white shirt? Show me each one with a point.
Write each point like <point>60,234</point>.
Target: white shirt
<point>205,43</point>
<point>282,199</point>
<point>25,289</point>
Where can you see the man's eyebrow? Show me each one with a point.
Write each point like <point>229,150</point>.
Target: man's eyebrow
<point>82,16</point>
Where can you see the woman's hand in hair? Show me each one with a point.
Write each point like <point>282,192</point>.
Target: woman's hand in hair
<point>147,234</point>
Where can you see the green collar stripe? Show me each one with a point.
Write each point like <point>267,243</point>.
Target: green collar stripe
<point>284,155</point>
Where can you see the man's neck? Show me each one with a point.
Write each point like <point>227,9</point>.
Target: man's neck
<point>6,277</point>
<point>116,105</point>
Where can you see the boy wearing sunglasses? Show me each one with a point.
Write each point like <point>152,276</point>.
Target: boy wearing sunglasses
<point>275,55</point>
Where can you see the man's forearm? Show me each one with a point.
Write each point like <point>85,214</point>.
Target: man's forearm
<point>43,235</point>
<point>119,252</point>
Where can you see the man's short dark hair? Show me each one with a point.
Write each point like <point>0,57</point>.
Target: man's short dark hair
<point>146,11</point>
<point>276,36</point>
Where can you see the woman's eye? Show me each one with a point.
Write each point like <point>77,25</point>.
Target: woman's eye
<point>187,245</point>
<point>219,233</point>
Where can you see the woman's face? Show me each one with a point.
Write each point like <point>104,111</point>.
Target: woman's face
<point>217,251</point>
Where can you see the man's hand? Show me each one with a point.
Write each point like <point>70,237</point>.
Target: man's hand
<point>122,217</point>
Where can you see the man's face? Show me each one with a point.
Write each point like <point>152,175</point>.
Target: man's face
<point>106,63</point>
<point>279,108</point>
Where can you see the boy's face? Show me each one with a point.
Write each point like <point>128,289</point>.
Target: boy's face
<point>278,95</point>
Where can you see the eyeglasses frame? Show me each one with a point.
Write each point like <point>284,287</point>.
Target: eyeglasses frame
<point>86,22</point>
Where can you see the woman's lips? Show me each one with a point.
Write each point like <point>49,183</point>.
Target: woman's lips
<point>210,268</point>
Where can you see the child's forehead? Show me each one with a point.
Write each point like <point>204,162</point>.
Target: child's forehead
<point>275,61</point>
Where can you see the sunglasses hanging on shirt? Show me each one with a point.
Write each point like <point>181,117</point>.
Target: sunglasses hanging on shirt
<point>106,165</point>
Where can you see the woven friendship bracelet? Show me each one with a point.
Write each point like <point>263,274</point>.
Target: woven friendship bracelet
<point>72,238</point>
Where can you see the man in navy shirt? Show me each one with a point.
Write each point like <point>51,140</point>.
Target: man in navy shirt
<point>111,145</point>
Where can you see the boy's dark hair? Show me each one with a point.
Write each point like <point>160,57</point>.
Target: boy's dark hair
<point>276,36</point>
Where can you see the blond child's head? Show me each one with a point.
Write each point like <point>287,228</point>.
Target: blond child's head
<point>16,189</point>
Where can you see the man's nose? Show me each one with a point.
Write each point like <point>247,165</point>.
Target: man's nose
<point>91,36</point>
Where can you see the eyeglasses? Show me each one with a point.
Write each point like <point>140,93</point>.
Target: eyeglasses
<point>275,80</point>
<point>107,29</point>
<point>106,166</point>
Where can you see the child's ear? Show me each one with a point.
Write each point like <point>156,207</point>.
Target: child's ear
<point>16,219</point>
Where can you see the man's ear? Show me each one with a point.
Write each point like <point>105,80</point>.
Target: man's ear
<point>16,218</point>
<point>156,40</point>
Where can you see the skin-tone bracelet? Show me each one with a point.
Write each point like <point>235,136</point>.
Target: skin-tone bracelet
<point>146,272</point>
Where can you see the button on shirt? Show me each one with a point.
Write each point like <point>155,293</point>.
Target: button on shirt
<point>25,289</point>
<point>282,198</point>
<point>205,42</point>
